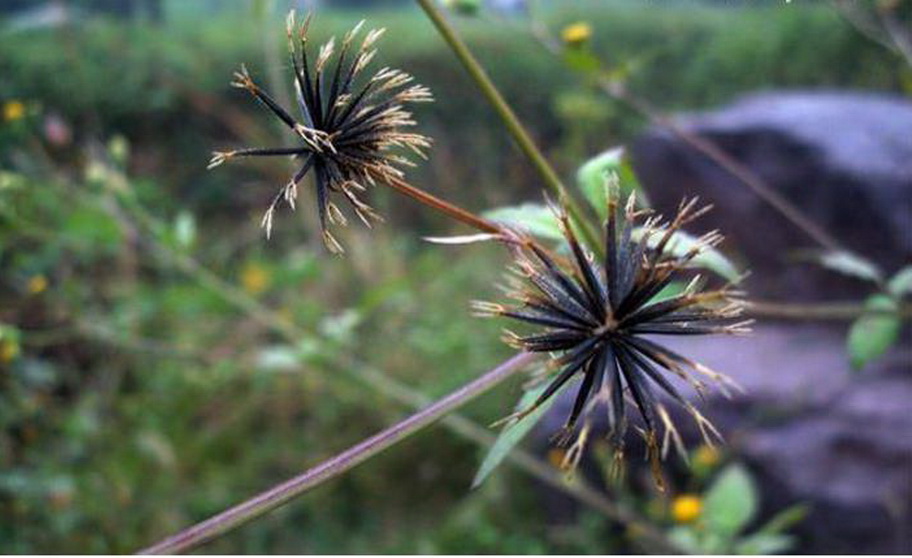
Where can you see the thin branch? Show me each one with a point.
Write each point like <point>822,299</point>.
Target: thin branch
<point>743,174</point>
<point>832,311</point>
<point>281,494</point>
<point>513,124</point>
<point>445,207</point>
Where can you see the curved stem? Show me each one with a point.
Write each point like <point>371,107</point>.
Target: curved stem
<point>281,494</point>
<point>513,124</point>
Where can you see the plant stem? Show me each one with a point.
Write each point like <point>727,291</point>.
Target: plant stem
<point>281,494</point>
<point>741,173</point>
<point>444,207</point>
<point>827,311</point>
<point>513,124</point>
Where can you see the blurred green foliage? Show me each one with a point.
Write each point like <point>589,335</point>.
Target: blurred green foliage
<point>135,399</point>
<point>166,87</point>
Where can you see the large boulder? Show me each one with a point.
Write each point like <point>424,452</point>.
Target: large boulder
<point>811,431</point>
<point>844,159</point>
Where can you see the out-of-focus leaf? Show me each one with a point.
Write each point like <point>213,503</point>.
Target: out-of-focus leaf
<point>730,502</point>
<point>119,150</point>
<point>686,539</point>
<point>185,230</point>
<point>785,519</point>
<point>874,332</point>
<point>514,433</point>
<point>464,7</point>
<point>535,219</point>
<point>581,59</point>
<point>900,284</point>
<point>91,229</point>
<point>852,265</point>
<point>341,327</point>
<point>278,358</point>
<point>11,181</point>
<point>764,544</point>
<point>710,258</point>
<point>593,176</point>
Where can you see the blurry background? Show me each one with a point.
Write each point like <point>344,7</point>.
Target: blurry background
<point>160,360</point>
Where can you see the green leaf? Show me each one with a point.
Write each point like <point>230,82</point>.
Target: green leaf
<point>592,177</point>
<point>710,258</point>
<point>874,332</point>
<point>185,230</point>
<point>670,290</point>
<point>852,265</point>
<point>464,7</point>
<point>581,59</point>
<point>686,539</point>
<point>513,434</point>
<point>731,501</point>
<point>764,544</point>
<point>785,519</point>
<point>536,219</point>
<point>901,284</point>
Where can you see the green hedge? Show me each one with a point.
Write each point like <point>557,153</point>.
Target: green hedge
<point>134,79</point>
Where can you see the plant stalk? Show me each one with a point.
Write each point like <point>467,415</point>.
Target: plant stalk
<point>445,207</point>
<point>739,171</point>
<point>509,118</point>
<point>281,494</point>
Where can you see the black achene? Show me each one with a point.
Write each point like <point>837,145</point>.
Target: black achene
<point>598,318</point>
<point>347,128</point>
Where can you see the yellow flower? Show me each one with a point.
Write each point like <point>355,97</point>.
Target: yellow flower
<point>254,279</point>
<point>706,457</point>
<point>37,284</point>
<point>577,33</point>
<point>13,110</point>
<point>9,350</point>
<point>686,508</point>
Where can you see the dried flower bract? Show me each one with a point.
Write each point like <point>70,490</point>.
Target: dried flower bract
<point>598,318</point>
<point>347,125</point>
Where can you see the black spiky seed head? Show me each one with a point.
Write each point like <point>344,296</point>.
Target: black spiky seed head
<point>599,317</point>
<point>347,125</point>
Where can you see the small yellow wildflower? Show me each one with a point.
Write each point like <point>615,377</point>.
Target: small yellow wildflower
<point>255,279</point>
<point>9,350</point>
<point>706,457</point>
<point>13,110</point>
<point>577,33</point>
<point>686,508</point>
<point>37,284</point>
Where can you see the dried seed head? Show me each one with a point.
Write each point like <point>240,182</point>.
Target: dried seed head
<point>598,317</point>
<point>348,125</point>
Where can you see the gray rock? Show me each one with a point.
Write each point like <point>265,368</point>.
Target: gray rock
<point>810,430</point>
<point>845,159</point>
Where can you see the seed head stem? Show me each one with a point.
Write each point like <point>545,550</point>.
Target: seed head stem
<point>513,124</point>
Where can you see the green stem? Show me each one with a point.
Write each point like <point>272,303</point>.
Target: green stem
<point>513,124</point>
<point>281,494</point>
